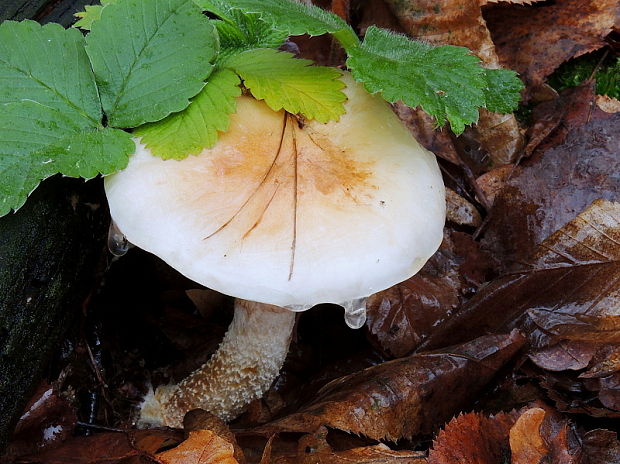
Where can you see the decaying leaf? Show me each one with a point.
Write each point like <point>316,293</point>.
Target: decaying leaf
<point>554,187</point>
<point>526,444</point>
<point>460,211</point>
<point>601,447</point>
<point>608,104</point>
<point>461,23</point>
<point>199,419</point>
<point>404,315</point>
<point>568,289</point>
<point>107,448</point>
<point>535,40</point>
<point>202,447</point>
<point>407,396</point>
<point>473,438</point>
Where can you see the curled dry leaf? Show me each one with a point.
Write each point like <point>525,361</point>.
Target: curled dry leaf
<point>608,104</point>
<point>461,23</point>
<point>199,419</point>
<point>526,444</point>
<point>201,447</point>
<point>404,315</point>
<point>473,438</point>
<point>407,396</point>
<point>535,40</point>
<point>492,182</point>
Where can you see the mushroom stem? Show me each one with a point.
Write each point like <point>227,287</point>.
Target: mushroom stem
<point>241,370</point>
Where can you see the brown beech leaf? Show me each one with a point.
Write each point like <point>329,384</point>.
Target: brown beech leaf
<point>404,315</point>
<point>106,448</point>
<point>601,447</point>
<point>566,290</point>
<point>554,187</point>
<point>461,23</point>
<point>473,438</point>
<point>314,449</point>
<point>608,104</point>
<point>47,421</point>
<point>606,362</point>
<point>460,211</point>
<point>199,419</point>
<point>526,444</point>
<point>535,40</point>
<point>201,447</point>
<point>407,396</point>
<point>565,355</point>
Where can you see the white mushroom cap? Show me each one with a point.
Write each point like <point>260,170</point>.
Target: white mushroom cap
<point>290,215</point>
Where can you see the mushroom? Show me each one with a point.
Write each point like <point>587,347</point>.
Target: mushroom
<point>282,214</point>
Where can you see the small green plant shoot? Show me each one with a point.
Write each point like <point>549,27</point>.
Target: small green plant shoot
<point>170,71</point>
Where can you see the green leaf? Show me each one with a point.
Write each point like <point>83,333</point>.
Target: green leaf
<point>502,94</point>
<point>150,57</point>
<point>246,31</point>
<point>38,141</point>
<point>90,14</point>
<point>447,82</point>
<point>48,64</point>
<point>196,127</point>
<point>296,18</point>
<point>284,81</point>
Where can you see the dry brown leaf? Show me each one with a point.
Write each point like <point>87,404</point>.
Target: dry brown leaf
<point>516,2</point>
<point>401,317</point>
<point>526,444</point>
<point>601,447</point>
<point>202,447</point>
<point>460,211</point>
<point>473,439</point>
<point>492,182</point>
<point>608,104</point>
<point>406,396</point>
<point>566,291</point>
<point>461,23</point>
<point>199,419</point>
<point>535,40</point>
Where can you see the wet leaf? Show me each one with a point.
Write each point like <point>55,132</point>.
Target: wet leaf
<point>565,355</point>
<point>567,289</point>
<point>526,444</point>
<point>199,419</point>
<point>601,447</point>
<point>461,23</point>
<point>106,447</point>
<point>473,438</point>
<point>406,396</point>
<point>202,447</point>
<point>401,317</point>
<point>535,40</point>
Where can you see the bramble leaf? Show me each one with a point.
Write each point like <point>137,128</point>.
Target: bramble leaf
<point>38,141</point>
<point>502,94</point>
<point>196,127</point>
<point>447,82</point>
<point>296,18</point>
<point>150,57</point>
<point>90,14</point>
<point>284,81</point>
<point>48,65</point>
<point>246,31</point>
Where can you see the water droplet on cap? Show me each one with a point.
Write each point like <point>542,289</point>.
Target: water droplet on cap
<point>355,312</point>
<point>117,242</point>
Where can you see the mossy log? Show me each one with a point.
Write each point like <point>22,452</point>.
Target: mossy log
<point>49,251</point>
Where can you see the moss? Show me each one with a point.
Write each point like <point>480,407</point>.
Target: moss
<point>576,71</point>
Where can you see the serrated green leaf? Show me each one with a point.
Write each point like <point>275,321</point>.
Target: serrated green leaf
<point>296,18</point>
<point>37,141</point>
<point>246,31</point>
<point>150,57</point>
<point>196,127</point>
<point>284,81</point>
<point>447,82</point>
<point>90,14</point>
<point>48,64</point>
<point>502,93</point>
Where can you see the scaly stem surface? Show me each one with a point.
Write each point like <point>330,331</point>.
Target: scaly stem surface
<point>243,368</point>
